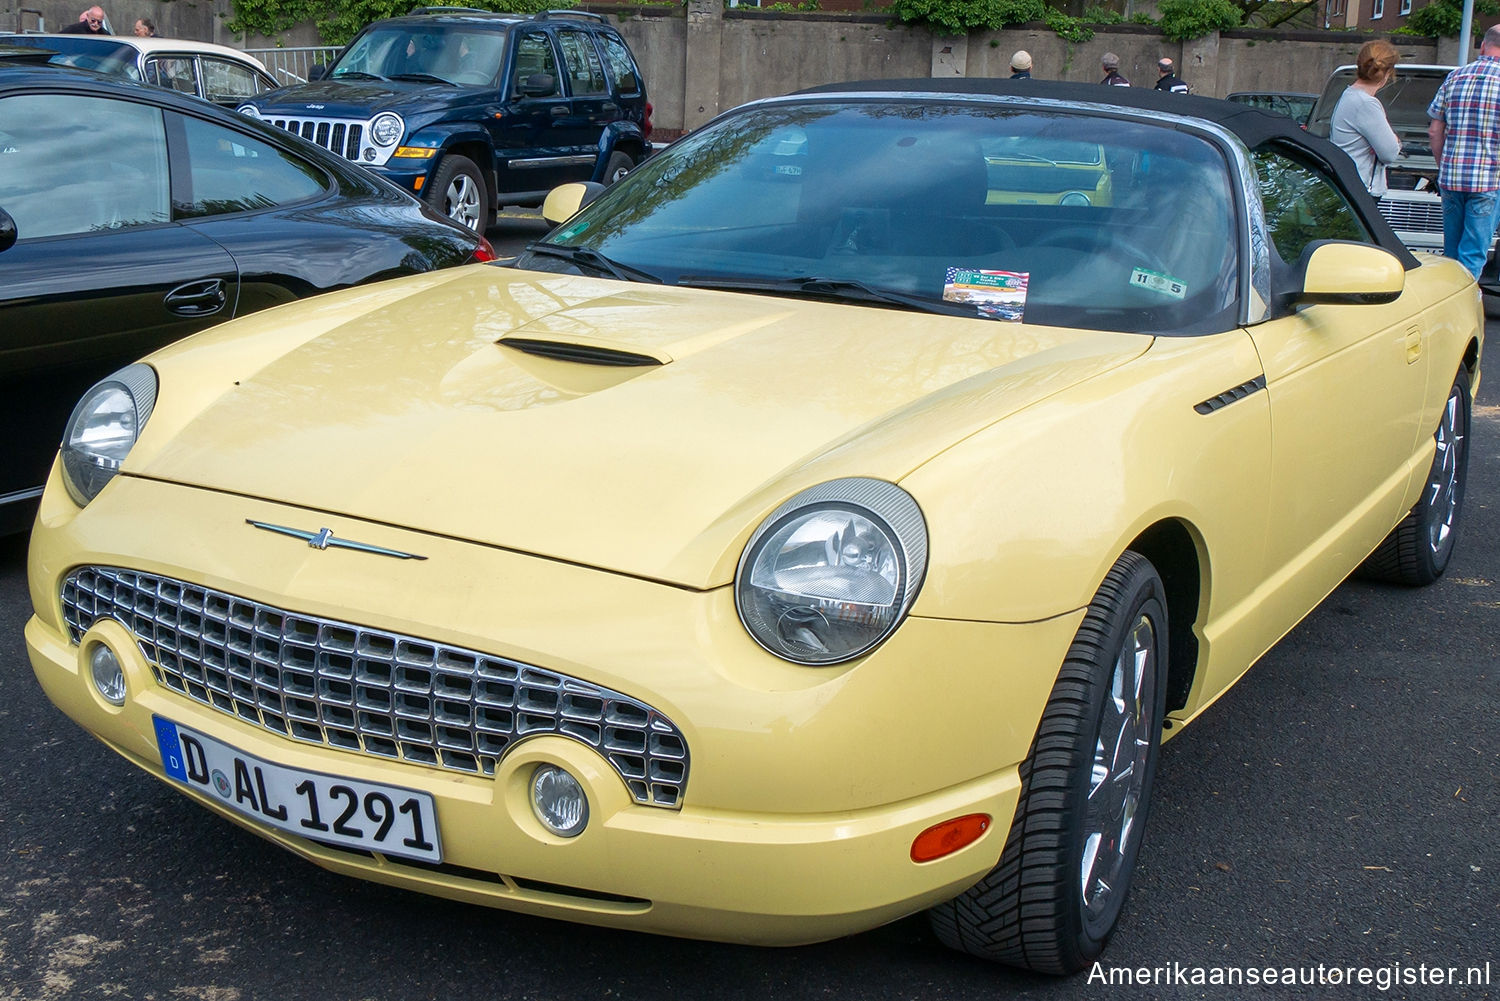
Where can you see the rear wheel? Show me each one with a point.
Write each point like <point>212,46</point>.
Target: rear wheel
<point>1418,549</point>
<point>458,191</point>
<point>619,165</point>
<point>1052,903</point>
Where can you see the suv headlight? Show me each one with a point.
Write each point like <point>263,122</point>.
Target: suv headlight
<point>386,129</point>
<point>103,429</point>
<point>249,111</point>
<point>832,572</point>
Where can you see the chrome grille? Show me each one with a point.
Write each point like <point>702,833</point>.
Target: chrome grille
<point>370,690</point>
<point>343,138</point>
<point>1418,216</point>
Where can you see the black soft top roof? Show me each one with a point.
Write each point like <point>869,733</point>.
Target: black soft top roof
<point>1252,126</point>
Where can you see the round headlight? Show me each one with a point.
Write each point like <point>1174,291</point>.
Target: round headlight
<point>832,572</point>
<point>386,129</point>
<point>103,429</point>
<point>1074,198</point>
<point>249,111</point>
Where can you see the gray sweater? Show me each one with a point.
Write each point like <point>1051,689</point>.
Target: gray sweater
<point>1360,129</point>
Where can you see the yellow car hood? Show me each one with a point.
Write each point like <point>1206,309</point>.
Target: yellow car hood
<point>636,428</point>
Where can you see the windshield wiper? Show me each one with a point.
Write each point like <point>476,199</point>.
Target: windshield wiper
<point>424,76</point>
<point>587,258</point>
<point>838,289</point>
<point>356,75</point>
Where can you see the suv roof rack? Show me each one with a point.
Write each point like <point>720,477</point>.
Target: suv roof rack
<point>448,10</point>
<point>544,15</point>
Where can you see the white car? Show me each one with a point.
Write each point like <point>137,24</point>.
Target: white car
<point>215,73</point>
<point>1412,205</point>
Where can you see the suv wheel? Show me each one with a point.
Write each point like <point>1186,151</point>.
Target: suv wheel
<point>458,192</point>
<point>619,165</point>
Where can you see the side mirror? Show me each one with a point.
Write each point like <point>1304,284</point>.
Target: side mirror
<point>317,72</point>
<point>564,201</point>
<point>8,234</point>
<point>538,85</point>
<point>1342,273</point>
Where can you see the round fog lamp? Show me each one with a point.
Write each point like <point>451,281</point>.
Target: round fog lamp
<point>558,801</point>
<point>108,677</point>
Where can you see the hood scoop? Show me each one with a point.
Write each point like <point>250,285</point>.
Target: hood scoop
<point>581,353</point>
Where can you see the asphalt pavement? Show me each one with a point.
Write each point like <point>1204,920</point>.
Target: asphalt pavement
<point>1339,809</point>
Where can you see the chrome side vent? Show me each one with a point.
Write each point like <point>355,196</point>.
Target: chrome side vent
<point>583,354</point>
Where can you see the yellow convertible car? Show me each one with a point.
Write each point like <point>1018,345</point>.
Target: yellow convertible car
<point>796,539</point>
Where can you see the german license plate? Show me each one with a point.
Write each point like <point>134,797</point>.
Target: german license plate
<point>339,811</point>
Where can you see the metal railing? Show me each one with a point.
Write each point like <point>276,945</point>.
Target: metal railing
<point>290,65</point>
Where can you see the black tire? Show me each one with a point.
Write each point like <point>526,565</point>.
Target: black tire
<point>1038,908</point>
<point>1418,549</point>
<point>459,192</point>
<point>619,165</point>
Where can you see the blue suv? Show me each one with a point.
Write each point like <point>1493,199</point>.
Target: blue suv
<point>471,110</point>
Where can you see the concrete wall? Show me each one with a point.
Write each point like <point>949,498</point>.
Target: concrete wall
<point>700,59</point>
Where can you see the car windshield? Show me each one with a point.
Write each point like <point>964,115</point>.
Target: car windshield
<point>102,55</point>
<point>429,53</point>
<point>1007,212</point>
<point>1405,98</point>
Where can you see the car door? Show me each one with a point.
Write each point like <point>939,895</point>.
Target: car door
<point>175,71</point>
<point>593,105</point>
<point>532,138</point>
<point>1346,384</point>
<point>230,83</point>
<point>99,274</point>
<point>259,202</point>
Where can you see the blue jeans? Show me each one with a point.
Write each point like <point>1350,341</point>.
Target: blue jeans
<point>1469,227</point>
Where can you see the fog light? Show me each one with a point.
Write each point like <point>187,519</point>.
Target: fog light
<point>558,801</point>
<point>108,677</point>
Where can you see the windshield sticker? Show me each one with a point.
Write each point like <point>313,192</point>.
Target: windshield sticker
<point>999,295</point>
<point>1158,282</point>
<point>572,231</point>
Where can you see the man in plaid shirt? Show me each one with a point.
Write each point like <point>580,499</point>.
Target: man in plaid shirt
<point>1465,134</point>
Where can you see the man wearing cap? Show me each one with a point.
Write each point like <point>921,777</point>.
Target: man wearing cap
<point>1020,65</point>
<point>1167,80</point>
<point>1465,135</point>
<point>1112,77</point>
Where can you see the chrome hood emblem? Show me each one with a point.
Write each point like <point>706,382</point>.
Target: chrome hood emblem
<point>324,538</point>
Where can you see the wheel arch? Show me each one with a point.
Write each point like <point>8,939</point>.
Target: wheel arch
<point>1172,547</point>
<point>482,156</point>
<point>623,136</point>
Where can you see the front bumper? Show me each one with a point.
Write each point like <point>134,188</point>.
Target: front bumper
<point>807,786</point>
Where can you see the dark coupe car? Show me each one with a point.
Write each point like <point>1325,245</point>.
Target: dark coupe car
<point>131,216</point>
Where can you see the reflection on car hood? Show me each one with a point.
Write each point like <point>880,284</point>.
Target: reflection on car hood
<point>360,98</point>
<point>458,410</point>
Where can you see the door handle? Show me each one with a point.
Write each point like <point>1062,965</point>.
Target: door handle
<point>200,298</point>
<point>559,110</point>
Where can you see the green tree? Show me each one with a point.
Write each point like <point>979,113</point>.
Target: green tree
<point>339,20</point>
<point>1443,18</point>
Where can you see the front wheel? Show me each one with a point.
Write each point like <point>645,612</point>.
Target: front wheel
<point>1052,903</point>
<point>459,192</point>
<point>619,165</point>
<point>1418,549</point>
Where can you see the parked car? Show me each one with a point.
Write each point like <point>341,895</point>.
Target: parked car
<point>215,73</point>
<point>173,216</point>
<point>1412,205</point>
<point>472,110</point>
<point>801,538</point>
<point>1295,106</point>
